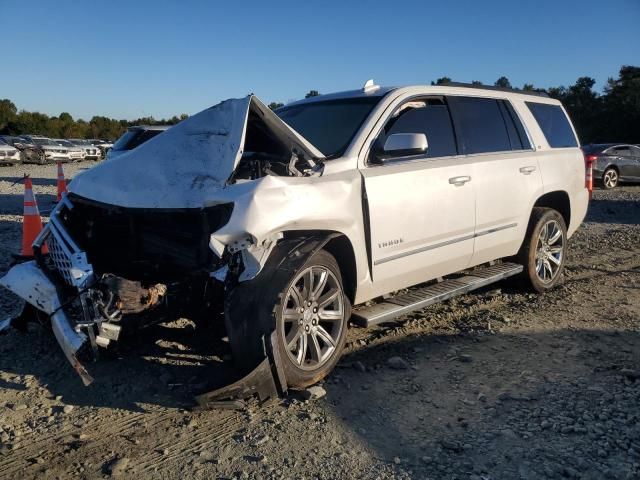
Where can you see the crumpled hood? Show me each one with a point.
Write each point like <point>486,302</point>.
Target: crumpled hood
<point>185,165</point>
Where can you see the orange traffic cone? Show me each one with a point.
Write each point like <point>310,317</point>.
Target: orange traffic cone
<point>31,223</point>
<point>62,185</point>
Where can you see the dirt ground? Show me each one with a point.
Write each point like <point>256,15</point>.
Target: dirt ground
<point>498,384</point>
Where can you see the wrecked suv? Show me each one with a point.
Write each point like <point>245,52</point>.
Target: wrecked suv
<point>294,222</point>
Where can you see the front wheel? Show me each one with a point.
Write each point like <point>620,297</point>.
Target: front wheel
<point>610,178</point>
<point>544,249</point>
<point>311,321</point>
<point>305,305</point>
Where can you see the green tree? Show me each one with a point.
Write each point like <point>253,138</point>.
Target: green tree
<point>528,87</point>
<point>476,82</point>
<point>8,112</point>
<point>503,82</point>
<point>621,106</point>
<point>276,105</point>
<point>312,93</point>
<point>441,81</point>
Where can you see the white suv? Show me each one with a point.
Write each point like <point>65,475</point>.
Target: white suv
<point>287,220</point>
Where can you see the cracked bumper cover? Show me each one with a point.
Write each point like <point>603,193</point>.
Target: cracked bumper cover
<point>31,284</point>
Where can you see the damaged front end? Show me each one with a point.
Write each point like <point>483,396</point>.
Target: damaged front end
<point>168,228</point>
<point>145,267</point>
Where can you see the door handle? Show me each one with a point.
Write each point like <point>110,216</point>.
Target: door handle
<point>459,181</point>
<point>527,170</point>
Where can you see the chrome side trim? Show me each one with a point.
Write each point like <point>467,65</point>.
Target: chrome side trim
<point>443,244</point>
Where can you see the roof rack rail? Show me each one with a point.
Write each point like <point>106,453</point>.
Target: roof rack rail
<point>500,89</point>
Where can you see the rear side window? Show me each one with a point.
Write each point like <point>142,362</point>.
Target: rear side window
<point>554,124</point>
<point>431,119</point>
<point>480,125</point>
<point>517,134</point>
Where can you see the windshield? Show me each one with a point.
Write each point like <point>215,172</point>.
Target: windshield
<point>65,143</point>
<point>329,125</point>
<point>595,148</point>
<point>132,138</point>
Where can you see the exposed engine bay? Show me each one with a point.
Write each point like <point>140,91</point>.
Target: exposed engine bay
<point>266,154</point>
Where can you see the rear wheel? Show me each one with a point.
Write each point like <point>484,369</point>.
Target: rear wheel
<point>610,178</point>
<point>42,158</point>
<point>544,250</point>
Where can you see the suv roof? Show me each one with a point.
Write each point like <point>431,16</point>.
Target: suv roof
<point>378,91</point>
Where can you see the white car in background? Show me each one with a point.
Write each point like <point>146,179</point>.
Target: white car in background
<point>91,151</point>
<point>8,154</point>
<point>285,220</point>
<point>103,145</point>
<point>48,150</point>
<point>75,153</point>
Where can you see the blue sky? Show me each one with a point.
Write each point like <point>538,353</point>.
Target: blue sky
<point>127,59</point>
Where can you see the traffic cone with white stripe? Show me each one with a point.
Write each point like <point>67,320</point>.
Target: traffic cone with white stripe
<point>31,222</point>
<point>62,184</point>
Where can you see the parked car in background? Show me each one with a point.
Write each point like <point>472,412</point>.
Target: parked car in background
<point>103,145</point>
<point>284,220</point>
<point>43,150</point>
<point>27,151</point>
<point>8,155</point>
<point>133,137</point>
<point>613,163</point>
<point>76,153</point>
<point>91,151</point>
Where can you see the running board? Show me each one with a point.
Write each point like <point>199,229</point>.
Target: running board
<point>416,299</point>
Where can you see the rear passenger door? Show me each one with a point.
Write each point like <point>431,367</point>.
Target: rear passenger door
<point>506,175</point>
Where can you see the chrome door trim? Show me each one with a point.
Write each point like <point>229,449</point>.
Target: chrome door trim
<point>443,244</point>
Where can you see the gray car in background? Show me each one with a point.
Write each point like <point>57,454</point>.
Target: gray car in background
<point>613,163</point>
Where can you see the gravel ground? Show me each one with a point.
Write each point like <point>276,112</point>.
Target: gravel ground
<point>494,385</point>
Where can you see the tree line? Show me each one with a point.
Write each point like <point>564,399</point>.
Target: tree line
<point>14,122</point>
<point>610,116</point>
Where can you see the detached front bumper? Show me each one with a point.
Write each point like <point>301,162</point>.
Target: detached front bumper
<point>30,283</point>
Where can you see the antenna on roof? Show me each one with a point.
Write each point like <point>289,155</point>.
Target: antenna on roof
<point>369,86</point>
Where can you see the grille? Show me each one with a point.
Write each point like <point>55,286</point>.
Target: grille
<point>59,257</point>
<point>2,154</point>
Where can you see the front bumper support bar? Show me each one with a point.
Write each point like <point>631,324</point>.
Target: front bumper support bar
<point>31,284</point>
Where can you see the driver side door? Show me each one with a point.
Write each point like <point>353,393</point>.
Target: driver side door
<point>421,208</point>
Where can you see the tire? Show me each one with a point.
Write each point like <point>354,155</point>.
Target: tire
<point>543,260</point>
<point>276,305</point>
<point>610,178</point>
<point>42,158</point>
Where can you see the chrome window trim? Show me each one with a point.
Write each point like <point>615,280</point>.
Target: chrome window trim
<point>397,160</point>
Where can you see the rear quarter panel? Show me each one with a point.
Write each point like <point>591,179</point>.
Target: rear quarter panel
<point>562,169</point>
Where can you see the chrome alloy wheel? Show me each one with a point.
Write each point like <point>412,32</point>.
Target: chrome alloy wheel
<point>610,178</point>
<point>549,251</point>
<point>313,317</point>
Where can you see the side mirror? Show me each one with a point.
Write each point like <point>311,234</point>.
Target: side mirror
<point>403,145</point>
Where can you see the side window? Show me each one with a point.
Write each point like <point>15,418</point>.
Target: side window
<point>480,124</point>
<point>429,116</point>
<point>513,122</point>
<point>554,124</point>
<point>635,152</point>
<point>621,151</point>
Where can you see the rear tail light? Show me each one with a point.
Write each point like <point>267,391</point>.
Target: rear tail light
<point>589,160</point>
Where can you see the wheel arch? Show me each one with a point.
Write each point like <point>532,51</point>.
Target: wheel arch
<point>558,200</point>
<point>338,245</point>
